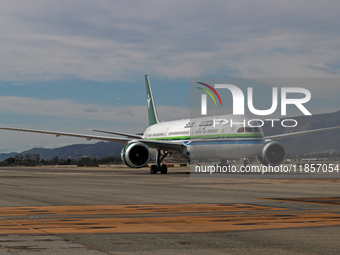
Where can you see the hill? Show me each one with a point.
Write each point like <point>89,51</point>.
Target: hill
<point>97,150</point>
<point>317,142</point>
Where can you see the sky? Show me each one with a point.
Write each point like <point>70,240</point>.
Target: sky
<point>79,65</point>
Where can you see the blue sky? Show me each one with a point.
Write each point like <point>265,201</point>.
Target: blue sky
<point>76,65</point>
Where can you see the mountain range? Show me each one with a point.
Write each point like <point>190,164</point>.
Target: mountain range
<point>316,142</point>
<point>75,151</point>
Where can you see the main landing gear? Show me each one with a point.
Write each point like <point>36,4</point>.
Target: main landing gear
<point>161,154</point>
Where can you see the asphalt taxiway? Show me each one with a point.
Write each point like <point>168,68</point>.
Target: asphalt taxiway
<point>56,210</point>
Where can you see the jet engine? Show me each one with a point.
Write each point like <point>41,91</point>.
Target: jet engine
<point>273,154</point>
<point>135,154</point>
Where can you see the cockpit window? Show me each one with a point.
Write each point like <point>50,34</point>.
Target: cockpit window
<point>249,130</point>
<point>240,130</point>
<point>257,130</point>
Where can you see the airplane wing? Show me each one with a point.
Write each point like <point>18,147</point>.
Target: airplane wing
<point>176,145</point>
<point>277,137</point>
<point>118,133</point>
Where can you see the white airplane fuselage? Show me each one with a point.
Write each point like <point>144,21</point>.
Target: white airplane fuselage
<point>211,137</point>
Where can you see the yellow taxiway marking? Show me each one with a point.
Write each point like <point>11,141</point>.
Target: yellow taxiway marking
<point>310,200</point>
<point>129,209</point>
<point>176,218</point>
<point>293,181</point>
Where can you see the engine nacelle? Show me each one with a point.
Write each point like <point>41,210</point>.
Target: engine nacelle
<point>135,154</point>
<point>273,154</point>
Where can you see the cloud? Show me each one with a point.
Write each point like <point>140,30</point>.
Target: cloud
<point>322,69</point>
<point>90,110</point>
<point>69,110</point>
<point>65,115</point>
<point>120,41</point>
<point>104,40</point>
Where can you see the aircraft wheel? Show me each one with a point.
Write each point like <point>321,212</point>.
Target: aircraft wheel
<point>153,169</point>
<point>164,169</point>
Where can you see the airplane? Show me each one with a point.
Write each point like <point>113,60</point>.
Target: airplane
<point>191,139</point>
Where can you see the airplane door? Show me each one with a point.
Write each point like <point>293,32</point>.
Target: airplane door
<point>166,134</point>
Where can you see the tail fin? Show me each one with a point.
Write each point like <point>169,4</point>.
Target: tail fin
<point>153,118</point>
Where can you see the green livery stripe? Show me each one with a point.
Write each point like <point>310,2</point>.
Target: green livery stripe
<point>230,136</point>
<point>245,135</point>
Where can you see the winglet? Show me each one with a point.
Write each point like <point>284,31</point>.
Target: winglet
<point>153,118</point>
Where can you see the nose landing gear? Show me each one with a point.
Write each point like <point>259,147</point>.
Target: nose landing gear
<point>245,168</point>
